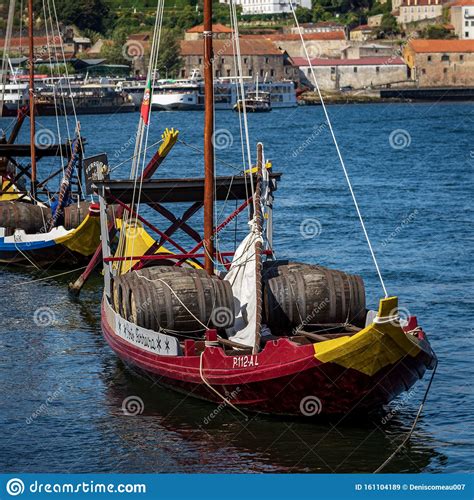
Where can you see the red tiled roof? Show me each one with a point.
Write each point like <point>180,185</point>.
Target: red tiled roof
<point>289,37</point>
<point>216,28</point>
<point>39,41</point>
<point>363,61</point>
<point>462,3</point>
<point>438,46</point>
<point>224,48</point>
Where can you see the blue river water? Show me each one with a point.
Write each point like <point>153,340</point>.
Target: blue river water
<point>411,166</point>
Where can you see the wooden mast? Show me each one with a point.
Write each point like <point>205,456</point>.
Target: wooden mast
<point>32,98</point>
<point>208,139</point>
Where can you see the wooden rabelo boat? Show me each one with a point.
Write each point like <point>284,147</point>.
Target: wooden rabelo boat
<point>39,226</point>
<point>261,335</point>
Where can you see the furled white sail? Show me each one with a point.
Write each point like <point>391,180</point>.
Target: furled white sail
<point>242,277</point>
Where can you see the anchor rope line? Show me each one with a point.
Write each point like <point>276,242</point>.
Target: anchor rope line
<point>339,154</point>
<point>224,399</point>
<point>415,421</point>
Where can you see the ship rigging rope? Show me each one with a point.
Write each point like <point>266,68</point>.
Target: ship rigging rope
<point>244,130</point>
<point>6,51</point>
<point>141,142</point>
<point>339,154</point>
<point>51,70</point>
<point>412,429</point>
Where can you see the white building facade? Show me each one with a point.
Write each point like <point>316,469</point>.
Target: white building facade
<point>462,18</point>
<point>268,6</point>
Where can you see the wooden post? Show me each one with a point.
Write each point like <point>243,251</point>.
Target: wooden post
<point>258,251</point>
<point>31,95</point>
<point>208,139</point>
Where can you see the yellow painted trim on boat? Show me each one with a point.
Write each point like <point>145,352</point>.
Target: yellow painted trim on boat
<point>11,193</point>
<point>85,238</point>
<point>378,345</point>
<point>169,136</point>
<point>253,170</point>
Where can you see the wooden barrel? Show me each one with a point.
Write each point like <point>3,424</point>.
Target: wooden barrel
<point>181,301</point>
<point>19,215</point>
<point>306,295</point>
<point>75,213</point>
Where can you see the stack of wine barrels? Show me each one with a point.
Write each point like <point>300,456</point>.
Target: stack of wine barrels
<point>307,296</point>
<point>174,299</point>
<point>34,218</point>
<point>19,215</point>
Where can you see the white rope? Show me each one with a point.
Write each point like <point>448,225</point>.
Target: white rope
<point>328,121</point>
<point>238,65</point>
<point>226,401</point>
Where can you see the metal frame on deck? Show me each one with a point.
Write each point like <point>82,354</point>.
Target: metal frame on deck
<point>156,192</point>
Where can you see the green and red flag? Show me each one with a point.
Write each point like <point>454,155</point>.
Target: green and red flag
<point>145,109</point>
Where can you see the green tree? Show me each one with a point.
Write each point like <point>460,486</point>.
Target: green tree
<point>85,14</point>
<point>388,27</point>
<point>436,31</point>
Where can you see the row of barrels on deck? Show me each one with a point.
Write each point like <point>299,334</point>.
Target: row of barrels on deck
<point>33,218</point>
<point>186,300</point>
<point>173,298</point>
<point>305,296</point>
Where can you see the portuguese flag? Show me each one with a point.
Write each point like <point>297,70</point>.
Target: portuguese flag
<point>145,109</point>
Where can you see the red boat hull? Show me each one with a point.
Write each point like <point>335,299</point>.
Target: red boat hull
<point>283,379</point>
